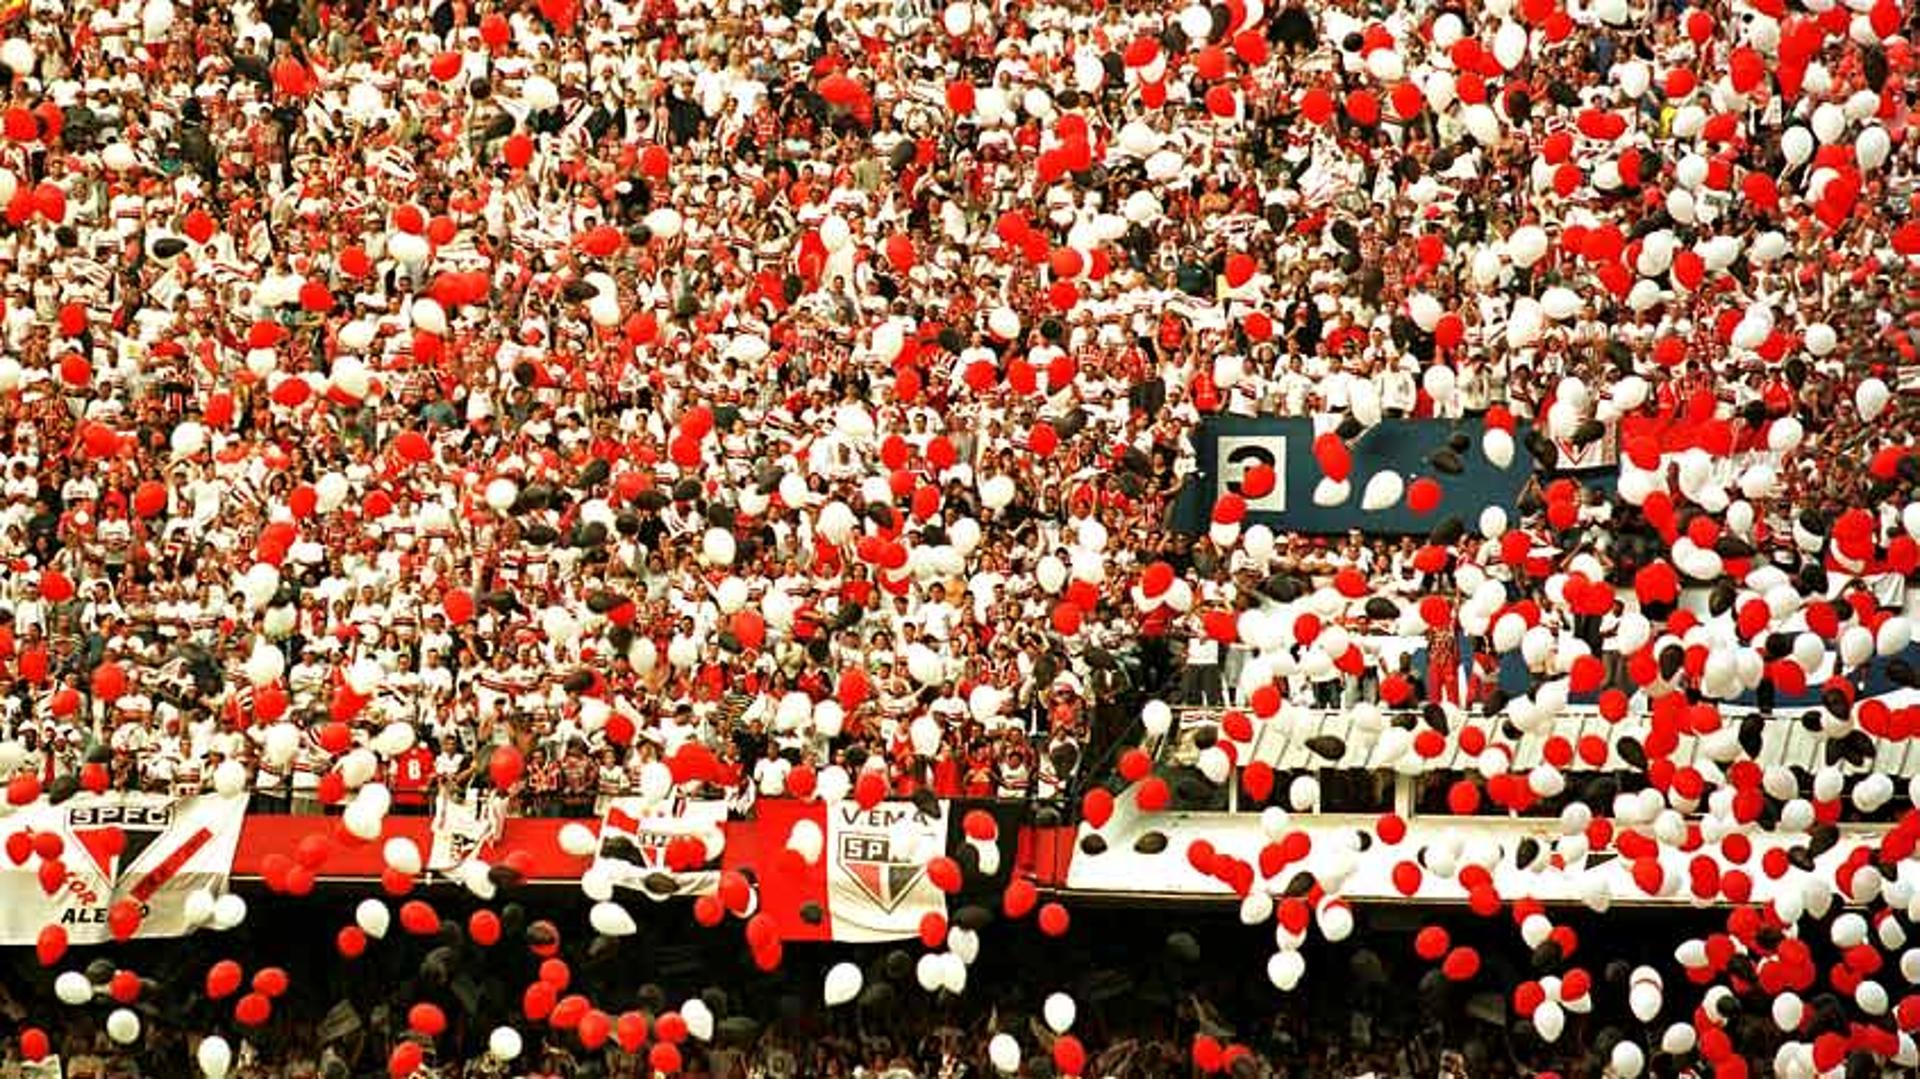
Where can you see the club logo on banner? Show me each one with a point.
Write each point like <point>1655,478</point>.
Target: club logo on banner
<point>150,849</point>
<point>877,884</point>
<point>643,845</point>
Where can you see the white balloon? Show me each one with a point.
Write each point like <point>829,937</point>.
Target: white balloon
<point>1285,969</point>
<point>1383,489</point>
<point>717,547</point>
<point>17,56</point>
<point>1527,245</point>
<point>503,1043</point>
<point>577,840</point>
<point>1549,1019</point>
<point>373,918</point>
<point>72,987</point>
<point>402,855</point>
<point>610,919</point>
<point>842,985</point>
<point>664,222</point>
<point>1157,717</point>
<point>1497,444</point>
<point>1004,1052</point>
<point>215,1056</point>
<point>1871,398</point>
<point>199,907</point>
<point>1509,45</point>
<point>228,911</point>
<point>1059,1012</point>
<point>1871,146</point>
<point>188,439</point>
<point>230,779</point>
<point>123,1026</point>
<point>699,1019</point>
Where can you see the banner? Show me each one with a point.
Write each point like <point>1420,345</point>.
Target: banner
<point>463,830</point>
<point>1600,453</point>
<point>1515,848</point>
<point>148,848</point>
<point>876,859</point>
<point>1228,446</point>
<point>640,845</point>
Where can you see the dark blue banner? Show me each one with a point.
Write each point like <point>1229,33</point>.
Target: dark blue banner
<point>1228,446</point>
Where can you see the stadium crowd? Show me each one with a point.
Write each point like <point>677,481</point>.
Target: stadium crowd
<point>599,377</point>
<point>817,384</point>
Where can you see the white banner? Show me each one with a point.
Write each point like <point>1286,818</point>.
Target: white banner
<point>152,849</point>
<point>1121,869</point>
<point>635,835</point>
<point>877,886</point>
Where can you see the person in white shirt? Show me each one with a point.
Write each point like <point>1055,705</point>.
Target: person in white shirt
<point>770,773</point>
<point>1200,680</point>
<point>936,616</point>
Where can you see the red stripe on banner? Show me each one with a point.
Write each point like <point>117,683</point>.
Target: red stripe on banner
<point>618,819</point>
<point>757,844</point>
<point>171,865</point>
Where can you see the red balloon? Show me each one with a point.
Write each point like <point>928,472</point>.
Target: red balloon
<point>458,606</point>
<point>1054,920</point>
<point>841,91</point>
<point>419,918</point>
<point>223,978</point>
<point>406,1059</point>
<point>630,1031</point>
<point>270,981</point>
<point>504,767</point>
<point>595,1027</point>
<point>655,162</point>
<point>664,1057</point>
<point>427,1019</point>
<point>252,1010</point>
<point>899,251</point>
<point>315,298</point>
<point>34,1045</point>
<point>50,201</point>
<point>109,682</point>
<point>1423,495</point>
<point>483,928</point>
<point>1240,269</point>
<point>123,919</point>
<point>517,150</point>
<point>51,943</point>
<point>55,587</point>
<point>538,1001</point>
<point>412,446</point>
<point>1019,898</point>
<point>1461,964</point>
<point>198,226</point>
<point>495,31</point>
<point>351,942</point>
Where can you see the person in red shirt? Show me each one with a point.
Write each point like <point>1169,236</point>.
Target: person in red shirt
<point>412,779</point>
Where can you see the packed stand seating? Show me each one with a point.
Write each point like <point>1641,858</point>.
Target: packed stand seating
<point>814,383</point>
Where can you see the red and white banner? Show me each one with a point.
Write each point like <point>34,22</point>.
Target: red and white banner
<point>151,849</point>
<point>665,849</point>
<point>876,866</point>
<point>463,830</point>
